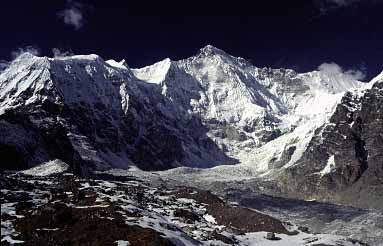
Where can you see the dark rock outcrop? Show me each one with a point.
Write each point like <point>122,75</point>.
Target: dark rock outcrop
<point>354,139</point>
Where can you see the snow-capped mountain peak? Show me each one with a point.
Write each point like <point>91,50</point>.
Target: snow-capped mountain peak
<point>56,78</point>
<point>214,119</point>
<point>211,50</point>
<point>14,82</point>
<point>155,73</point>
<point>246,111</point>
<point>261,107</point>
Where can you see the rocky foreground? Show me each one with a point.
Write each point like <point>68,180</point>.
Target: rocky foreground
<point>63,209</point>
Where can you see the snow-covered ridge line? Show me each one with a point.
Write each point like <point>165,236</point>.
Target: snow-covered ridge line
<point>122,64</point>
<point>378,78</point>
<point>223,88</point>
<point>74,78</point>
<point>244,107</point>
<point>90,57</point>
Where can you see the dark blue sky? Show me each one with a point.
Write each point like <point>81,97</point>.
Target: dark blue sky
<point>293,34</point>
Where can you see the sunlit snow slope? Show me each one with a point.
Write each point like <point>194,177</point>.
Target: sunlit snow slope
<point>219,108</point>
<point>253,114</point>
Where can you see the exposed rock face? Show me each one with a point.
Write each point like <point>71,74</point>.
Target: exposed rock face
<point>344,161</point>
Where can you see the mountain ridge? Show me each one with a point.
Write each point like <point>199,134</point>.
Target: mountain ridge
<point>209,110</point>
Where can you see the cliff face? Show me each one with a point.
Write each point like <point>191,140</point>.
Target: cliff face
<point>344,161</point>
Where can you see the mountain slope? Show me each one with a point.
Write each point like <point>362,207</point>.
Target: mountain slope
<point>94,115</point>
<point>335,156</point>
<point>344,161</point>
<point>311,132</point>
<point>245,107</point>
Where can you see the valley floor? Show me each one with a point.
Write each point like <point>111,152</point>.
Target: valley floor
<point>140,208</point>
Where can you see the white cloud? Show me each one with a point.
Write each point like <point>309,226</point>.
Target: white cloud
<point>28,49</point>
<point>73,15</point>
<point>59,53</point>
<point>333,69</point>
<point>4,64</point>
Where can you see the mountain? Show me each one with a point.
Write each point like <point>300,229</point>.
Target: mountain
<point>315,135</point>
<point>243,106</point>
<point>344,161</point>
<point>92,115</point>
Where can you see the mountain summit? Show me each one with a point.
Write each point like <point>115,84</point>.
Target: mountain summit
<point>209,110</point>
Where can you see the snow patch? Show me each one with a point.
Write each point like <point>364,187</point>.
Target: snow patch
<point>47,168</point>
<point>11,241</point>
<point>210,219</point>
<point>330,166</point>
<point>116,64</point>
<point>122,243</point>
